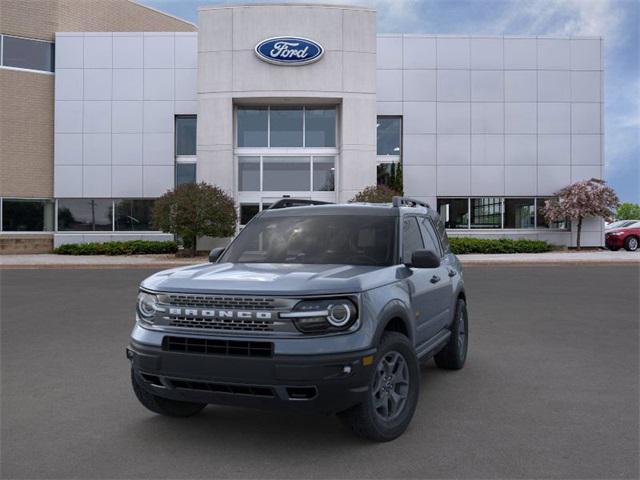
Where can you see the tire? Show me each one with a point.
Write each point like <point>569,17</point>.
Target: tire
<point>368,420</point>
<point>454,353</point>
<point>164,406</point>
<point>631,243</point>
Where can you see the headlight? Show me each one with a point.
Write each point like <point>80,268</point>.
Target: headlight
<point>147,306</point>
<point>323,316</point>
<point>616,233</point>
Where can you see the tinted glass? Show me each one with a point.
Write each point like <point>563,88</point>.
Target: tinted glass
<point>185,173</point>
<point>429,236</point>
<point>542,221</point>
<point>390,174</point>
<point>248,211</point>
<point>84,215</point>
<point>389,133</point>
<point>519,213</point>
<point>442,234</point>
<point>486,212</point>
<point>27,215</point>
<point>186,135</point>
<point>249,174</point>
<point>454,212</point>
<point>252,126</point>
<point>25,53</point>
<point>134,215</point>
<point>286,126</point>
<point>324,174</point>
<point>286,173</point>
<point>316,239</point>
<point>411,238</point>
<point>320,127</point>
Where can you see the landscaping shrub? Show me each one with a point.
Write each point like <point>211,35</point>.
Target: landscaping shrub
<point>131,247</point>
<point>460,245</point>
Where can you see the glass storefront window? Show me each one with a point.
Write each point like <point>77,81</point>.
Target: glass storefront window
<point>249,174</point>
<point>84,215</point>
<point>542,222</point>
<point>252,126</point>
<point>26,215</point>
<point>248,211</point>
<point>26,53</point>
<point>454,212</point>
<point>185,173</point>
<point>186,135</point>
<point>519,213</point>
<point>390,174</point>
<point>486,212</point>
<point>324,169</point>
<point>389,133</point>
<point>286,174</point>
<point>286,126</point>
<point>133,215</point>
<point>320,127</point>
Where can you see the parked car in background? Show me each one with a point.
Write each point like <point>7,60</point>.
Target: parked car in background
<point>627,237</point>
<point>621,224</point>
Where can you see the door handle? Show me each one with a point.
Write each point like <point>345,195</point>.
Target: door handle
<point>452,272</point>
<point>435,279</point>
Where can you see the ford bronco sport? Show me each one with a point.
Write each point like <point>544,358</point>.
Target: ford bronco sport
<point>324,308</point>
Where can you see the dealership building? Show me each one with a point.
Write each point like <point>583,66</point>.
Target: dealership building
<point>112,104</point>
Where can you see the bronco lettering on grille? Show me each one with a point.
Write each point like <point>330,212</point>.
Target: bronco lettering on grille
<point>234,314</point>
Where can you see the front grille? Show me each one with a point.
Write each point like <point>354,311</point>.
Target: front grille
<point>221,324</point>
<point>221,302</point>
<point>217,347</point>
<point>254,390</point>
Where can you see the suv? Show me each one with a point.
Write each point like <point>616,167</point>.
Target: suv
<point>324,308</point>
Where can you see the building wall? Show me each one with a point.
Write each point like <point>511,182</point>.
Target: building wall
<point>495,116</point>
<point>229,73</point>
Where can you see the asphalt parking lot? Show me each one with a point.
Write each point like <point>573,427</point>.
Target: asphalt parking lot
<point>550,390</point>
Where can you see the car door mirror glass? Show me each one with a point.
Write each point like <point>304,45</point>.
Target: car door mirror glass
<point>424,259</point>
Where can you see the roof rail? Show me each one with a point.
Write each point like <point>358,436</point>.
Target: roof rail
<point>295,202</point>
<point>408,202</point>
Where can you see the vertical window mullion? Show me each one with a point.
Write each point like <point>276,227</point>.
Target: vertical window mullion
<point>268,131</point>
<point>261,173</point>
<point>1,49</point>
<point>535,213</point>
<point>113,215</point>
<point>304,127</point>
<point>1,220</point>
<point>502,213</point>
<point>311,158</point>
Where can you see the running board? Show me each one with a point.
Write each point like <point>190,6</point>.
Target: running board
<point>431,347</point>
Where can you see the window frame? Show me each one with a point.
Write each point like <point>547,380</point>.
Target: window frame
<point>54,223</point>
<point>402,218</point>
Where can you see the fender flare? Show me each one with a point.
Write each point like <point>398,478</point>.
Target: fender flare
<point>394,309</point>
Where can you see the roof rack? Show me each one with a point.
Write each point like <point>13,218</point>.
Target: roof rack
<point>408,202</point>
<point>295,202</point>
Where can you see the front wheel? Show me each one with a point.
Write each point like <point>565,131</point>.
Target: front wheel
<point>164,406</point>
<point>454,353</point>
<point>392,395</point>
<point>631,244</point>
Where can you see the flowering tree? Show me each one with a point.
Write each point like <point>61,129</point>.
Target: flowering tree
<point>194,210</point>
<point>586,198</point>
<point>375,194</point>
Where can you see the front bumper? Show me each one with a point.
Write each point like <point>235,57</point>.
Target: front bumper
<point>305,383</point>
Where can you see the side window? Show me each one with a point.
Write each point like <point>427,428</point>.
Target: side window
<point>430,240</point>
<point>442,233</point>
<point>411,238</point>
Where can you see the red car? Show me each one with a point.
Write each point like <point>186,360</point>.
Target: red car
<point>627,237</point>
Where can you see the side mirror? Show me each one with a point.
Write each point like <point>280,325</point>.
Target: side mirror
<point>424,259</point>
<point>215,253</point>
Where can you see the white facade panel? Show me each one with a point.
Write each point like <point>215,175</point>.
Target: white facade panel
<point>453,52</point>
<point>96,149</point>
<point>98,52</point>
<point>97,85</point>
<point>127,51</point>
<point>487,53</point>
<point>419,52</point>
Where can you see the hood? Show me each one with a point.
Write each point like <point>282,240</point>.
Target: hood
<point>271,279</point>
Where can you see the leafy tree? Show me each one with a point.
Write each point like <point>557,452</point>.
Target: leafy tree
<point>628,211</point>
<point>194,210</point>
<point>586,198</point>
<point>375,194</point>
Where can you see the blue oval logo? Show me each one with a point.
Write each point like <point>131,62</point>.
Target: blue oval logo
<point>289,50</point>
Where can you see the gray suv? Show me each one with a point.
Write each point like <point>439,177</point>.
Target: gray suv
<point>323,308</point>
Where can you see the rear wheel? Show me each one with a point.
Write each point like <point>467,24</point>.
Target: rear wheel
<point>164,406</point>
<point>631,244</point>
<point>393,392</point>
<point>454,354</point>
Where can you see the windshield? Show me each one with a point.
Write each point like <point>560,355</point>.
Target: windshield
<point>621,224</point>
<point>329,239</point>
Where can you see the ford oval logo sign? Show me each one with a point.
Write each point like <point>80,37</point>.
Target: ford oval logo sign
<point>289,50</point>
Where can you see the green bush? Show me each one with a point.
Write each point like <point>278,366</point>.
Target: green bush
<point>460,245</point>
<point>131,247</point>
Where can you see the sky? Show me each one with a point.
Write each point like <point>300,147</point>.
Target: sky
<point>617,21</point>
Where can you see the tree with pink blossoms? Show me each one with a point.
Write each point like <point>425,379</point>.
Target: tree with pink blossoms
<point>586,198</point>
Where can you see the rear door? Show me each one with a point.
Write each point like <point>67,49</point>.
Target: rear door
<point>423,283</point>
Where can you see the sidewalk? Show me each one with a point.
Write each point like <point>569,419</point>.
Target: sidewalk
<point>168,261</point>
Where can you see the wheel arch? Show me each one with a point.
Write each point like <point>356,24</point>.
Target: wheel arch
<point>395,318</point>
